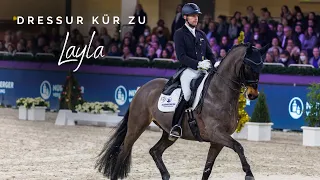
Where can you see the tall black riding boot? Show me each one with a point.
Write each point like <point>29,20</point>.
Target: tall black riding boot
<point>176,129</point>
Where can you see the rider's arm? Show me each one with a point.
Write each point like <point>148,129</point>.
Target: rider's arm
<point>181,53</point>
<point>209,54</point>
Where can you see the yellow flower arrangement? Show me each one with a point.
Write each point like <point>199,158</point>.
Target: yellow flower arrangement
<point>243,115</point>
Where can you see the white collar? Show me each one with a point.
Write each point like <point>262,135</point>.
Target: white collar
<point>192,30</point>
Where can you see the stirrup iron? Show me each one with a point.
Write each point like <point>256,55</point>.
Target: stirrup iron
<point>173,135</point>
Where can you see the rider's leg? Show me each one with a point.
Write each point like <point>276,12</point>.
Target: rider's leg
<point>185,80</point>
<point>186,77</point>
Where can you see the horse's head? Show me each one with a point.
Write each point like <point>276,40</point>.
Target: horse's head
<point>251,69</point>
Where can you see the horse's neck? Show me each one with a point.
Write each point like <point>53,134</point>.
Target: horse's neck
<point>223,84</point>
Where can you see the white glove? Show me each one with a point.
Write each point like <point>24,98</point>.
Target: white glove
<point>216,64</point>
<point>204,65</point>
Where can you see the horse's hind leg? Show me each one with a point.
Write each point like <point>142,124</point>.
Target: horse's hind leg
<point>212,155</point>
<point>137,124</point>
<point>156,152</point>
<point>226,140</point>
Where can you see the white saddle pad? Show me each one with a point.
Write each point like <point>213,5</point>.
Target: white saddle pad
<point>168,103</point>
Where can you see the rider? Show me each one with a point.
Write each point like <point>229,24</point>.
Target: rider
<point>194,53</point>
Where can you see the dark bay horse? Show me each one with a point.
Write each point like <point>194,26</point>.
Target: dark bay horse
<point>217,120</point>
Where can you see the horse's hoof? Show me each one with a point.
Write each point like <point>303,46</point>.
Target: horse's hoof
<point>165,177</point>
<point>249,178</point>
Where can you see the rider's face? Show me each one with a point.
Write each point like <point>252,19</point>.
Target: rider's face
<point>193,19</point>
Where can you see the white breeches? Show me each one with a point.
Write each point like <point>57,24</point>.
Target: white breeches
<point>185,79</point>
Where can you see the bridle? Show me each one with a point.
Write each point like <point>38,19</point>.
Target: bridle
<point>243,82</point>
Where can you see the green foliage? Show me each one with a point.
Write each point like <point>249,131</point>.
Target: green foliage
<point>71,95</point>
<point>261,111</point>
<point>313,97</point>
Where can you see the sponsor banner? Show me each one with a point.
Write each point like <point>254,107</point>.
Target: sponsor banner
<point>287,104</point>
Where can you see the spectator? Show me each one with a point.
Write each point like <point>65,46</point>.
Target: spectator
<point>141,41</point>
<point>285,13</point>
<point>116,39</point>
<point>170,48</point>
<point>303,59</point>
<point>161,37</point>
<point>106,38</point>
<point>21,48</point>
<point>315,59</point>
<point>310,40</point>
<point>114,51</point>
<point>127,43</point>
<point>126,53</point>
<point>300,19</point>
<point>225,43</point>
<point>139,52</point>
<point>151,53</point>
<point>244,21</point>
<point>289,48</point>
<point>164,30</point>
<point>299,33</point>
<point>91,30</point>
<point>2,48</point>
<point>275,44</point>
<point>237,16</point>
<point>212,31</point>
<point>252,17</point>
<point>55,36</point>
<point>285,58</point>
<point>247,33</point>
<point>269,58</point>
<point>177,22</point>
<point>265,35</point>
<point>139,15</point>
<point>279,32</point>
<point>233,30</point>
<point>165,54</point>
<point>11,49</point>
<point>214,46</point>
<point>222,29</point>
<point>276,54</point>
<point>158,49</point>
<point>295,54</point>
<point>296,10</point>
<point>205,23</point>
<point>7,39</point>
<point>288,35</point>
<point>147,34</point>
<point>222,53</point>
<point>54,48</point>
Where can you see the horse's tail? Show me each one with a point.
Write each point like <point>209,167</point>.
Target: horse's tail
<point>109,154</point>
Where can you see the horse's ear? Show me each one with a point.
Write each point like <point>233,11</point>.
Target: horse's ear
<point>264,50</point>
<point>249,48</point>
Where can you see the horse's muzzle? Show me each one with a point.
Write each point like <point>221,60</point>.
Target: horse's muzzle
<point>252,93</point>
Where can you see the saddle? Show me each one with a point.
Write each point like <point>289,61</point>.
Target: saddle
<point>172,93</point>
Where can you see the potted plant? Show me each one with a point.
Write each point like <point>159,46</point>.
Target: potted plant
<point>37,108</point>
<point>23,111</point>
<point>311,132</point>
<point>259,126</point>
<point>97,113</point>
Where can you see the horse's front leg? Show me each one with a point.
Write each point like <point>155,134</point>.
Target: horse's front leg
<point>226,140</point>
<point>212,155</point>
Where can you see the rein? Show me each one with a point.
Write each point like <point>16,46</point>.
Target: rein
<point>224,79</point>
